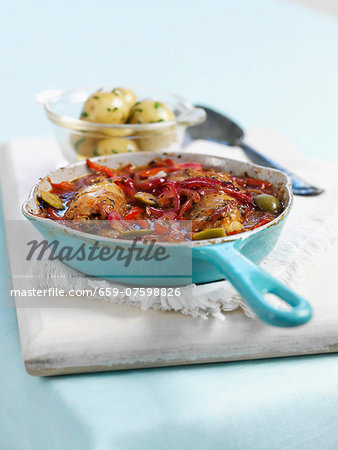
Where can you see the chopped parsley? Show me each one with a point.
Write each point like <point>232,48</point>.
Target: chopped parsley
<point>112,109</point>
<point>133,113</point>
<point>115,91</point>
<point>84,114</point>
<point>96,97</point>
<point>157,105</point>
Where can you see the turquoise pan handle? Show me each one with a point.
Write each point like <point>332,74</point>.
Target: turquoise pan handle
<point>253,283</point>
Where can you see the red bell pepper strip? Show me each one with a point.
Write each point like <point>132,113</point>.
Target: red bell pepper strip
<point>168,162</point>
<point>161,213</point>
<point>190,193</point>
<point>169,215</point>
<point>199,182</point>
<point>99,168</point>
<point>196,166</point>
<point>227,188</point>
<point>263,221</point>
<point>177,199</point>
<point>114,215</point>
<point>160,228</point>
<point>128,185</point>
<point>64,185</point>
<point>155,212</point>
<point>126,170</point>
<point>53,215</point>
<point>253,182</point>
<point>133,213</point>
<point>152,172</point>
<point>124,182</point>
<point>185,208</point>
<point>151,184</point>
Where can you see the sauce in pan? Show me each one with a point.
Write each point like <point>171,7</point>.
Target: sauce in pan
<point>149,200</point>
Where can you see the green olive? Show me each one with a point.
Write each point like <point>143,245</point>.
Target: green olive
<point>268,203</point>
<point>211,233</point>
<point>146,198</point>
<point>52,199</point>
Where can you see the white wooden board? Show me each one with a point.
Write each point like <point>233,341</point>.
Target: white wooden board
<point>97,337</point>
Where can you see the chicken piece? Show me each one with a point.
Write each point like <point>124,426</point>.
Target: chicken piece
<point>214,210</point>
<point>96,201</point>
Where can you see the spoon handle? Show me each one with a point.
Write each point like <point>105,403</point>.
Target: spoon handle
<point>299,186</point>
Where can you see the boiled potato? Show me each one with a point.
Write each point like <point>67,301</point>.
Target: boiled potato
<point>115,107</point>
<point>155,141</point>
<point>111,146</point>
<point>150,111</point>
<point>84,146</point>
<point>129,96</point>
<point>106,107</point>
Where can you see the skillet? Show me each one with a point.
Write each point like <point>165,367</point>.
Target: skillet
<point>233,258</point>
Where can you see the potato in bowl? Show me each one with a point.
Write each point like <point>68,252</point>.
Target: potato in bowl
<point>85,116</point>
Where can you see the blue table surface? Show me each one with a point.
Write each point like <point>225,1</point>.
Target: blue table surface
<point>267,63</point>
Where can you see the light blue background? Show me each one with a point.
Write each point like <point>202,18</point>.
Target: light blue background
<point>266,63</point>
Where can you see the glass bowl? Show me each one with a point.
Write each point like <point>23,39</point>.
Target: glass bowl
<point>80,139</point>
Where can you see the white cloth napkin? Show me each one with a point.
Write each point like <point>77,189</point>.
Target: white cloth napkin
<point>310,230</point>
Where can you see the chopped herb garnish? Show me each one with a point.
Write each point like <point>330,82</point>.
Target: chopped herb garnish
<point>112,109</point>
<point>115,91</point>
<point>157,105</point>
<point>133,113</point>
<point>84,114</point>
<point>114,151</point>
<point>96,97</point>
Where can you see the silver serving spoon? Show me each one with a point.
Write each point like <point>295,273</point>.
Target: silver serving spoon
<point>220,128</point>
